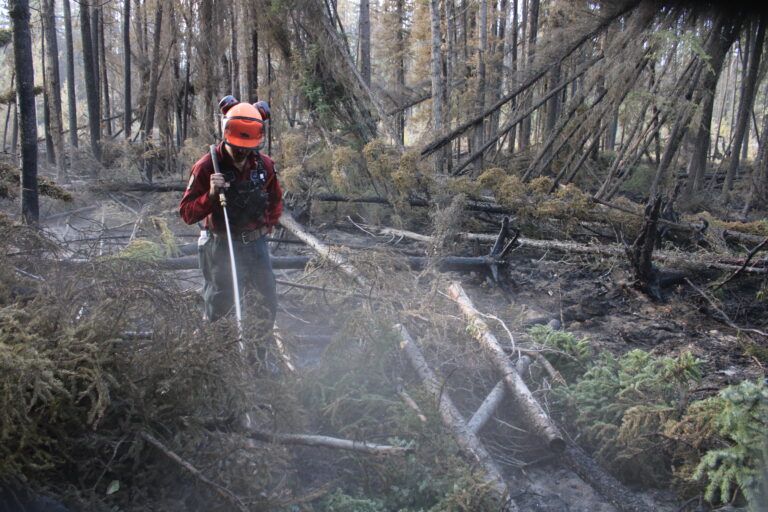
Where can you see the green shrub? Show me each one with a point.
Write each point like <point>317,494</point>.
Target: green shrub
<point>570,355</point>
<point>621,405</point>
<point>743,422</point>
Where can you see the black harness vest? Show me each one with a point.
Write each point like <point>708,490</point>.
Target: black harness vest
<point>246,200</point>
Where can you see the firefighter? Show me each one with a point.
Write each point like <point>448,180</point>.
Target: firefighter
<point>253,200</point>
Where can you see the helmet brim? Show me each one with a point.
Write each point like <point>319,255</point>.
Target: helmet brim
<point>239,143</point>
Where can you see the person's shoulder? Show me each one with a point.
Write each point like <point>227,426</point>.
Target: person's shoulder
<point>203,164</point>
<point>266,158</point>
<point>267,161</point>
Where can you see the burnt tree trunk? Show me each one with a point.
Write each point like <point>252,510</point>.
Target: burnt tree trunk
<point>745,104</point>
<point>437,89</point>
<point>50,151</point>
<point>698,163</point>
<point>53,85</point>
<point>25,99</point>
<point>91,84</point>
<point>127,121</point>
<point>365,41</point>
<point>154,78</point>
<point>107,110</point>
<point>71,98</point>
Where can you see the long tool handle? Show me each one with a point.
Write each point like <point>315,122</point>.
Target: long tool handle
<point>235,286</point>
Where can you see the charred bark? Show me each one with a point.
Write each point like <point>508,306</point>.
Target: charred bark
<point>25,99</point>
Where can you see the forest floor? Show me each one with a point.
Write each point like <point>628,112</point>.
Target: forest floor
<point>589,296</point>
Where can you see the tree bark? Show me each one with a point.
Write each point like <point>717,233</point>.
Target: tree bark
<point>91,83</point>
<point>533,18</point>
<point>400,71</point>
<point>53,84</point>
<point>127,109</point>
<point>698,163</point>
<point>154,74</point>
<point>71,98</point>
<point>11,105</point>
<point>25,99</point>
<point>95,40</point>
<point>50,150</point>
<point>535,416</point>
<point>107,107</point>
<point>329,442</point>
<point>452,418</point>
<point>436,74</point>
<point>365,41</point>
<point>745,104</point>
<point>482,51</point>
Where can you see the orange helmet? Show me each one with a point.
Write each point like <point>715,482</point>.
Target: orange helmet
<point>243,127</point>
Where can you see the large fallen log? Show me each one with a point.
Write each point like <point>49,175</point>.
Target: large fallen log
<point>465,437</point>
<point>539,421</point>
<point>694,260</point>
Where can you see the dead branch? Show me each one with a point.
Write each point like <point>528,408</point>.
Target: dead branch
<point>754,251</point>
<point>544,362</point>
<point>289,223</point>
<point>724,317</point>
<point>225,493</point>
<point>466,439</point>
<point>329,442</point>
<point>411,403</point>
<point>532,410</point>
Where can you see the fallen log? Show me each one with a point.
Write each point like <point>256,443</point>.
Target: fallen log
<point>446,264</point>
<point>540,422</point>
<point>452,418</point>
<point>692,261</point>
<point>173,186</point>
<point>328,442</point>
<point>471,205</point>
<point>487,408</point>
<point>325,252</point>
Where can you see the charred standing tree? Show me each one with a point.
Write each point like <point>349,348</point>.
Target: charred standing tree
<point>648,278</point>
<point>25,99</point>
<point>107,108</point>
<point>437,89</point>
<point>482,52</point>
<point>400,71</point>
<point>154,74</point>
<point>126,68</point>
<point>365,41</point>
<point>711,74</point>
<point>71,98</point>
<point>53,85</point>
<point>91,83</point>
<point>745,104</point>
<point>50,151</point>
<point>533,18</point>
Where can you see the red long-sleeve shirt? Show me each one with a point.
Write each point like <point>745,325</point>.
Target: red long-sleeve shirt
<point>196,204</point>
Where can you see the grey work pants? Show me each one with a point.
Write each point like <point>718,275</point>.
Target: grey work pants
<point>255,277</point>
